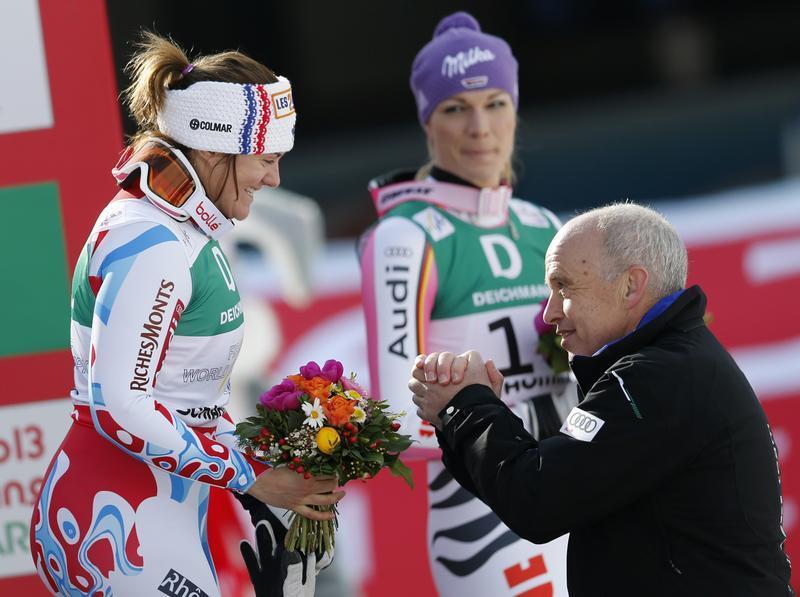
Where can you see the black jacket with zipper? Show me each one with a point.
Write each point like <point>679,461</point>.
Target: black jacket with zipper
<point>665,475</point>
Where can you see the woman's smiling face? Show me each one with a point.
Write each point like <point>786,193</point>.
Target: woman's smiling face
<point>232,192</point>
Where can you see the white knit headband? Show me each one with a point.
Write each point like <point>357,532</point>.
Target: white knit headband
<point>231,117</point>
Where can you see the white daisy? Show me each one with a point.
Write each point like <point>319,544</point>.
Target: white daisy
<point>314,415</point>
<point>359,416</point>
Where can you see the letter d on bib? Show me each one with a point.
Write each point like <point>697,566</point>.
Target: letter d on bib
<point>490,243</point>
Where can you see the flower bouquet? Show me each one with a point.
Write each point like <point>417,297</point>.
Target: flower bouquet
<point>550,344</point>
<point>319,422</point>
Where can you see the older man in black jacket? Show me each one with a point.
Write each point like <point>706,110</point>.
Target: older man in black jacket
<point>665,475</point>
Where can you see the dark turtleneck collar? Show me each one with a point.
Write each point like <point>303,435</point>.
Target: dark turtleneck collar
<point>404,175</point>
<point>685,313</point>
<point>445,176</point>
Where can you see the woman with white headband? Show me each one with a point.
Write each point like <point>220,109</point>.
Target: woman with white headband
<point>156,328</point>
<point>453,262</point>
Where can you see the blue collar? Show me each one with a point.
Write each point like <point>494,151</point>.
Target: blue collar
<point>654,311</point>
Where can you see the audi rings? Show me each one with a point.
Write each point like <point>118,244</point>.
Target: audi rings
<point>583,422</point>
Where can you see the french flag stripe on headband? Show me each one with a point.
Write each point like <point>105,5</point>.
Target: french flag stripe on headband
<point>249,119</point>
<point>261,129</point>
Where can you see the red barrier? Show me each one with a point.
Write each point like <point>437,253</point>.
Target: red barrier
<point>59,175</point>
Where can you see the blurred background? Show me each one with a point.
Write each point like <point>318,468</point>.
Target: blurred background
<point>692,107</point>
<point>644,99</point>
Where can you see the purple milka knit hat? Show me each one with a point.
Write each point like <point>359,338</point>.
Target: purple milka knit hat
<point>460,58</point>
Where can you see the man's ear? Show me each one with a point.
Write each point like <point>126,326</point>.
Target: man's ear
<point>635,287</point>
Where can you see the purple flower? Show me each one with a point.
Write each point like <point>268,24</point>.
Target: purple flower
<point>332,370</point>
<point>350,384</point>
<point>542,328</point>
<point>310,370</point>
<point>284,396</point>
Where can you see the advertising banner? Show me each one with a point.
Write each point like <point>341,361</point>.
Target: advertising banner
<point>24,87</point>
<point>29,436</point>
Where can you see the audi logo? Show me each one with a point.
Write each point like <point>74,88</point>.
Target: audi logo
<point>397,252</point>
<point>583,422</point>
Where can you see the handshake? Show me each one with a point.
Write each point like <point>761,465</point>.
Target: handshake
<point>437,377</point>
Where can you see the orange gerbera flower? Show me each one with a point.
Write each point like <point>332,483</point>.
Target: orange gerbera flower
<point>316,387</point>
<point>338,409</point>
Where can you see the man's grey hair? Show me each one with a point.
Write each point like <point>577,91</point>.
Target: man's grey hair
<point>638,235</point>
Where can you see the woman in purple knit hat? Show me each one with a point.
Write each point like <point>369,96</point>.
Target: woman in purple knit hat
<point>455,261</point>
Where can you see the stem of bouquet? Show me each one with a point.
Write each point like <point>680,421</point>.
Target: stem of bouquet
<point>306,535</point>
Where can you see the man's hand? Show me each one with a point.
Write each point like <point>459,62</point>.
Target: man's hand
<point>438,377</point>
<point>284,488</point>
<point>274,571</point>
